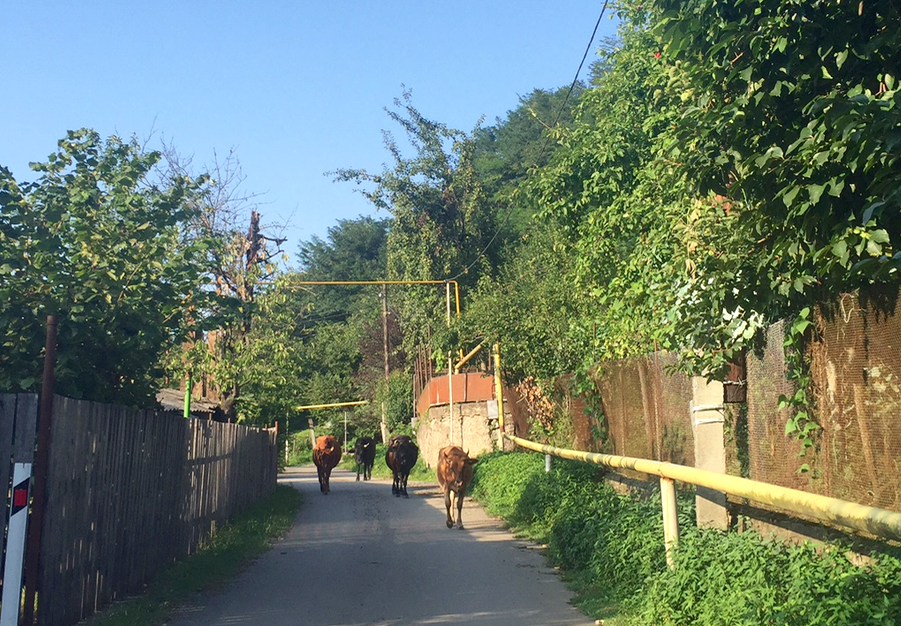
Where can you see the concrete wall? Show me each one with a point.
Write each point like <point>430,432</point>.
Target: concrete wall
<point>473,429</point>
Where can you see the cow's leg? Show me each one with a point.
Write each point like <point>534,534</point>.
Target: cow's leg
<point>321,479</point>
<point>459,504</point>
<point>326,474</point>
<point>358,473</point>
<point>404,480</point>
<point>447,505</point>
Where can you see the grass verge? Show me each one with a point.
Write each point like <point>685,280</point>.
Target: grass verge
<point>221,559</point>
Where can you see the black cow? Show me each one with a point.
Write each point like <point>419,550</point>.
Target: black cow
<point>364,455</point>
<point>401,457</point>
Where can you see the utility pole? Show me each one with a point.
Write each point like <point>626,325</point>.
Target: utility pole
<point>384,422</point>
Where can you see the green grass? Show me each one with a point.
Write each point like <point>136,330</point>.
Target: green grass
<point>221,559</point>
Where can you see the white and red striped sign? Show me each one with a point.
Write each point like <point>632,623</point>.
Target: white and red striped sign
<point>15,545</point>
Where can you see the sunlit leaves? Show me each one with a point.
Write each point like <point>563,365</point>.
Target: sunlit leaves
<point>92,241</point>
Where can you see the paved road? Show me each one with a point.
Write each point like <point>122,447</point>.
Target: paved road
<point>360,556</point>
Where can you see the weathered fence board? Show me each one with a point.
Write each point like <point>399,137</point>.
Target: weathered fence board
<point>129,492</point>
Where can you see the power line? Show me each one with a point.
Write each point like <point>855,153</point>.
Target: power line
<point>547,139</point>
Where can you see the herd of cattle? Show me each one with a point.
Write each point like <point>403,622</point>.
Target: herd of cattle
<point>454,468</point>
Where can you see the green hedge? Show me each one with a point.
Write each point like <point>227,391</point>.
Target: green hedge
<point>611,549</point>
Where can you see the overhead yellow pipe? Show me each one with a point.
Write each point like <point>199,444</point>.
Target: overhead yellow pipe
<point>875,521</point>
<point>330,406</point>
<point>464,360</point>
<point>387,282</point>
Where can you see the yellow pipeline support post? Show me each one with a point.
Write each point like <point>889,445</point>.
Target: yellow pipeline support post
<point>188,384</point>
<point>670,517</point>
<point>868,519</point>
<point>447,289</point>
<point>499,392</point>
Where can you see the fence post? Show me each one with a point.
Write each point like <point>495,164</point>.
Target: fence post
<point>707,424</point>
<point>670,517</point>
<point>188,383</point>
<point>41,463</point>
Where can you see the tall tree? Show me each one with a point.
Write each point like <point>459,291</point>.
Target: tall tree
<point>94,241</point>
<point>241,257</point>
<point>441,222</point>
<point>353,250</point>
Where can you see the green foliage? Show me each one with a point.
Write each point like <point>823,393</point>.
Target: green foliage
<point>507,152</point>
<point>93,241</point>
<point>440,218</point>
<point>611,548</point>
<point>742,579</point>
<point>618,218</point>
<point>800,423</point>
<point>354,250</point>
<point>790,111</point>
<point>396,394</point>
<point>269,366</point>
<point>529,305</point>
<point>605,539</point>
<point>300,448</point>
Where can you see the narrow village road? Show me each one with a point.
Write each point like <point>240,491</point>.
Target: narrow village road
<point>360,556</point>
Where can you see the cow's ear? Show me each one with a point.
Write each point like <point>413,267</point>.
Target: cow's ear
<point>471,461</point>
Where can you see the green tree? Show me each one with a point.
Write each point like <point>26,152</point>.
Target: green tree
<point>353,250</point>
<point>514,147</point>
<point>441,222</point>
<point>241,258</point>
<point>95,242</point>
<point>791,119</point>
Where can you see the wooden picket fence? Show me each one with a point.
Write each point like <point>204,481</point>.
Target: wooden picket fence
<point>130,492</point>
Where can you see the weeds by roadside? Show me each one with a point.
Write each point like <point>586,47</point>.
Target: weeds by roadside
<point>610,548</point>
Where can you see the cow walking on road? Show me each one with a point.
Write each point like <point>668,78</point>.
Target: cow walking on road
<point>326,455</point>
<point>401,457</point>
<point>364,455</point>
<point>454,475</point>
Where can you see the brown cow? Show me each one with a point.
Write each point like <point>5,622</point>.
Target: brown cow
<point>454,476</point>
<point>326,455</point>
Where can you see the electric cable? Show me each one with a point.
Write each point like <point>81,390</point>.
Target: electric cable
<point>547,140</point>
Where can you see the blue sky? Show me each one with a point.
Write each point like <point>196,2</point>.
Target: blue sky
<point>296,88</point>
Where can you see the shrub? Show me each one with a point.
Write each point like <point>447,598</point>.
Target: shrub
<point>728,578</point>
<point>612,547</point>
